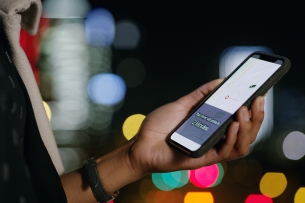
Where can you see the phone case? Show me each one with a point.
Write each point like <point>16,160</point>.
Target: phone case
<point>212,141</point>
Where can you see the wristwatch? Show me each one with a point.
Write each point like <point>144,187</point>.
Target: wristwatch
<point>94,181</point>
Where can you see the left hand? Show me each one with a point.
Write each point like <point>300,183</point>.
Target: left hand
<point>151,153</point>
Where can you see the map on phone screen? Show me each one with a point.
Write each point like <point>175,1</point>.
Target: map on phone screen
<point>225,101</point>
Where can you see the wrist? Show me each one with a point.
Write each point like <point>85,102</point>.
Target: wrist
<point>116,169</point>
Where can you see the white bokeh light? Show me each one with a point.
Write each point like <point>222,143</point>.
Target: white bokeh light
<point>293,145</point>
<point>65,8</point>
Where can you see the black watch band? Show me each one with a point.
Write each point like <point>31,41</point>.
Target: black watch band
<point>94,181</point>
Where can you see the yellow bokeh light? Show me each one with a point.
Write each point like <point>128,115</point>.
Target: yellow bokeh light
<point>48,110</point>
<point>273,184</point>
<point>300,195</point>
<point>198,197</point>
<point>132,125</point>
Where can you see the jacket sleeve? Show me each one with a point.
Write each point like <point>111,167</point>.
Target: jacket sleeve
<point>26,13</point>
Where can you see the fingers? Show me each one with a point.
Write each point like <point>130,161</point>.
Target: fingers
<point>257,110</point>
<point>229,143</point>
<point>193,98</point>
<point>239,136</point>
<point>217,153</point>
<point>250,123</point>
<point>242,145</point>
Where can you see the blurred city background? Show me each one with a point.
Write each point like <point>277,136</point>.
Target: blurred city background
<point>103,66</point>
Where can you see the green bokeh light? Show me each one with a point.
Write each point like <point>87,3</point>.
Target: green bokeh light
<point>171,180</point>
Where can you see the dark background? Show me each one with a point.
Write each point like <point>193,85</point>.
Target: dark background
<point>183,41</point>
<point>180,48</point>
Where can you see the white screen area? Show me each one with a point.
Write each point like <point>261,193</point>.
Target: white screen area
<point>243,83</point>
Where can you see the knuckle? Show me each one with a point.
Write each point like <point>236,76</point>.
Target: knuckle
<point>259,119</point>
<point>224,155</point>
<point>252,139</point>
<point>243,152</point>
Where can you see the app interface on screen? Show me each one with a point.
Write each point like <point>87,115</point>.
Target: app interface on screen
<point>226,100</point>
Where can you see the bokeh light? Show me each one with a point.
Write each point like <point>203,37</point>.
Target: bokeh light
<point>159,182</point>
<point>69,115</point>
<point>300,195</point>
<point>127,35</point>
<point>273,184</point>
<point>100,117</point>
<point>65,63</point>
<point>176,179</point>
<point>150,197</point>
<point>248,172</point>
<point>220,176</point>
<point>145,187</point>
<point>132,71</point>
<point>164,197</point>
<point>131,125</point>
<point>229,60</point>
<point>167,197</point>
<point>171,180</point>
<point>48,110</point>
<point>100,59</point>
<point>293,145</point>
<point>258,198</point>
<point>71,138</point>
<point>72,157</point>
<point>207,176</point>
<point>99,27</point>
<point>231,57</point>
<point>106,89</point>
<point>230,172</point>
<point>65,8</point>
<point>199,197</point>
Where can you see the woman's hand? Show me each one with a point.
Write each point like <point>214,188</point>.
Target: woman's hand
<point>151,153</point>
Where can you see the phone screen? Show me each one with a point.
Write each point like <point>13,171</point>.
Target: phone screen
<point>224,102</point>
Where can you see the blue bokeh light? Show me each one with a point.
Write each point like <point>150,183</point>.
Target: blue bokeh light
<point>106,89</point>
<point>100,27</point>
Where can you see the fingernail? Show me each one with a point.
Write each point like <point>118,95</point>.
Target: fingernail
<point>262,104</point>
<point>246,115</point>
<point>237,128</point>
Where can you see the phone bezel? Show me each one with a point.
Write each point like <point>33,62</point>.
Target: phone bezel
<point>210,142</point>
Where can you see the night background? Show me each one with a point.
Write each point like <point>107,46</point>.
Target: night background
<point>160,51</point>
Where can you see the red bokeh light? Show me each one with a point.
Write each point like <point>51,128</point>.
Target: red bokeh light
<point>205,176</point>
<point>255,198</point>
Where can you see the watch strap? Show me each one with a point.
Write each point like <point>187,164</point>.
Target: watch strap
<point>94,181</point>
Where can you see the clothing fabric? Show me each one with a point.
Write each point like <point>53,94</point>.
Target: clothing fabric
<point>30,163</point>
<point>27,171</point>
<point>26,13</point>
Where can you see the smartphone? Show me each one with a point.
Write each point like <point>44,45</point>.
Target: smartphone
<point>208,123</point>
